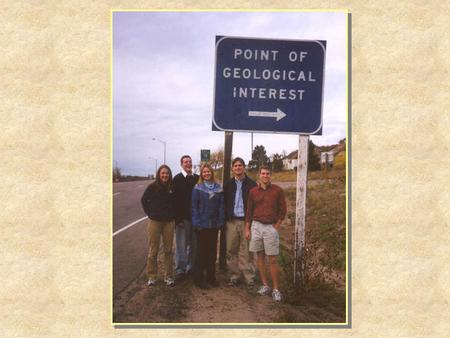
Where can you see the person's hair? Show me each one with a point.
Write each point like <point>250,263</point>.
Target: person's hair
<point>266,167</point>
<point>158,181</point>
<point>238,159</point>
<point>183,157</point>
<point>206,165</point>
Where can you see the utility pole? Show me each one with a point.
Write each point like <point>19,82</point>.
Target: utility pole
<point>156,164</point>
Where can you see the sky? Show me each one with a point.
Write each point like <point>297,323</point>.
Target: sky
<point>163,82</point>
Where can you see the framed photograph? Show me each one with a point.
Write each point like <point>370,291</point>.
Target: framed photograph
<point>213,113</point>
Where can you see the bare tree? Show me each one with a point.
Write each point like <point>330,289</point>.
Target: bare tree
<point>217,158</point>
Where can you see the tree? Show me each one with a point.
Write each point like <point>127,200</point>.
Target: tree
<point>117,174</point>
<point>277,162</point>
<point>259,158</point>
<point>217,158</point>
<point>313,158</point>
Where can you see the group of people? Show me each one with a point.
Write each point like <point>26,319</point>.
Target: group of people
<point>195,207</point>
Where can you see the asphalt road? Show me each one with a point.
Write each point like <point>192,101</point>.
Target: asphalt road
<point>130,245</point>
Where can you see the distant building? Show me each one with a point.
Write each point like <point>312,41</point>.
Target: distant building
<point>290,161</point>
<point>327,157</point>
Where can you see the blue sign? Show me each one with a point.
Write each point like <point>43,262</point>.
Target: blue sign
<point>264,85</point>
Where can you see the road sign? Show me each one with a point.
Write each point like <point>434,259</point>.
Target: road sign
<point>205,155</point>
<point>264,85</point>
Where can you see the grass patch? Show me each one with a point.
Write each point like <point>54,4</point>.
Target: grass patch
<point>339,160</point>
<point>326,224</point>
<point>291,175</point>
<point>325,233</point>
<point>310,291</point>
<point>290,194</point>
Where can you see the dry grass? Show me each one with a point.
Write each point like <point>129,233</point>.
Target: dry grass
<point>325,236</point>
<point>287,175</point>
<point>325,221</point>
<point>339,160</point>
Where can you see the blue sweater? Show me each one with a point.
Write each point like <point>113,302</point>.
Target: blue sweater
<point>207,207</point>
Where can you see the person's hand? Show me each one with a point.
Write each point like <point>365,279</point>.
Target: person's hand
<point>277,225</point>
<point>247,233</point>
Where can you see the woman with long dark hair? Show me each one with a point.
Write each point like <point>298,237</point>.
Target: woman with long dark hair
<point>207,219</point>
<point>157,202</point>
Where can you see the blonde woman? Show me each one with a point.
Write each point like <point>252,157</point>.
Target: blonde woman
<point>207,219</point>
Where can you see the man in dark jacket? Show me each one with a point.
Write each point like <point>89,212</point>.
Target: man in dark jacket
<point>182,186</point>
<point>240,260</point>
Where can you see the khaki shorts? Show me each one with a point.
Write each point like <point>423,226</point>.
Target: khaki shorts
<point>264,237</point>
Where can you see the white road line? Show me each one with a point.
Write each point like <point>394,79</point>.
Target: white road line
<point>116,193</point>
<point>129,225</point>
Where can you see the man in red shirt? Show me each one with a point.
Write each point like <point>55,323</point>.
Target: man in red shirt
<point>266,209</point>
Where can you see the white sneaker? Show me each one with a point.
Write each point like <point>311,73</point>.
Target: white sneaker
<point>151,282</point>
<point>169,281</point>
<point>276,295</point>
<point>264,290</point>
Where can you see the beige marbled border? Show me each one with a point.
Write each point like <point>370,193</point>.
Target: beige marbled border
<point>55,149</point>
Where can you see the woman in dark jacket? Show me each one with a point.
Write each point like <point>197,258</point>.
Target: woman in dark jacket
<point>158,205</point>
<point>207,219</point>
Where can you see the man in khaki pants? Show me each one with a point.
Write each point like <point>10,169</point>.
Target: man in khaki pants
<point>240,260</point>
<point>265,211</point>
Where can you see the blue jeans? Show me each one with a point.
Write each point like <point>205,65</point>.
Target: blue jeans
<point>185,247</point>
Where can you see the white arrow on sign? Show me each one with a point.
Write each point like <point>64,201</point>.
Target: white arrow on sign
<point>278,114</point>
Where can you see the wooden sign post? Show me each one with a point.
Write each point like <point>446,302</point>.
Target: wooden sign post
<point>225,177</point>
<point>300,216</point>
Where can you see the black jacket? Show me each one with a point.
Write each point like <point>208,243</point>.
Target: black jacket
<point>158,203</point>
<point>230,193</point>
<point>182,193</point>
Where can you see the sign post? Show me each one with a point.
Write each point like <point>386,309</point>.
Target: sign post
<point>300,215</point>
<point>225,177</point>
<point>272,86</point>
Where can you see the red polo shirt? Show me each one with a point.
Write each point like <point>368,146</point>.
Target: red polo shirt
<point>266,205</point>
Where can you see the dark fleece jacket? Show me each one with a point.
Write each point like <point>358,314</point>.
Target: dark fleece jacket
<point>182,191</point>
<point>157,202</point>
